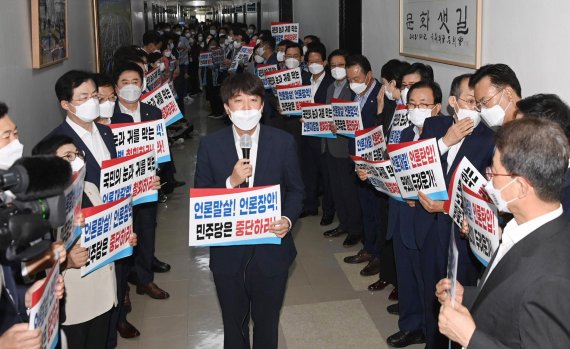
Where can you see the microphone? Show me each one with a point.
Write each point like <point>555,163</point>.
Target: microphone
<point>245,145</point>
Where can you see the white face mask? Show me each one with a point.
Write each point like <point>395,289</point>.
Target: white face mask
<point>258,41</point>
<point>292,63</point>
<point>338,73</point>
<point>177,33</point>
<point>495,115</point>
<point>10,153</point>
<point>213,32</point>
<point>358,87</point>
<point>404,95</point>
<point>229,41</point>
<point>188,36</point>
<point>260,51</point>
<point>237,44</point>
<point>388,94</point>
<point>495,195</point>
<point>418,117</point>
<point>250,31</point>
<point>167,54</point>
<point>77,164</point>
<point>316,68</point>
<point>305,50</point>
<point>130,93</point>
<point>246,119</point>
<point>144,84</point>
<point>88,111</point>
<point>472,114</point>
<point>280,56</point>
<point>161,66</point>
<point>258,59</point>
<point>106,109</point>
<point>200,38</point>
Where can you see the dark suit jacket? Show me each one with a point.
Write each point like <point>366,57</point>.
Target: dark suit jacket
<point>272,59</point>
<point>216,158</point>
<point>92,167</point>
<point>566,195</point>
<point>338,147</point>
<point>524,302</point>
<point>12,310</point>
<point>321,94</point>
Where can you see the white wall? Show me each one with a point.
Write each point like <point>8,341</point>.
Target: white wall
<point>319,18</point>
<point>530,36</point>
<point>28,92</point>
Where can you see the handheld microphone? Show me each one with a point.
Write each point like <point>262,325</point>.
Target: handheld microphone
<point>245,145</point>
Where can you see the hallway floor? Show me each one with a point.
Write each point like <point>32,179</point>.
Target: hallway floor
<point>326,305</point>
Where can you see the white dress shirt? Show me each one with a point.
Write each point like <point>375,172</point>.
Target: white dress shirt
<point>136,114</point>
<point>453,150</point>
<point>92,140</point>
<point>252,153</point>
<point>316,83</point>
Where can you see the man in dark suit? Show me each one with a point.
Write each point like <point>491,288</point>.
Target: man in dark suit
<point>522,299</point>
<point>250,280</point>
<point>462,135</point>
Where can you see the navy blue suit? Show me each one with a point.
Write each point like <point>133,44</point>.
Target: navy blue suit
<point>566,195</point>
<point>252,275</point>
<point>433,229</point>
<point>12,308</point>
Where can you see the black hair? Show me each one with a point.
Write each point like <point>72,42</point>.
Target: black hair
<point>500,75</point>
<point>316,48</point>
<point>394,70</point>
<point>292,44</point>
<point>456,84</point>
<point>129,54</point>
<point>103,80</point>
<point>425,71</point>
<point>69,81</point>
<point>240,32</point>
<point>269,40</point>
<point>126,66</point>
<point>50,144</point>
<point>285,43</point>
<point>338,52</point>
<point>265,33</point>
<point>361,61</point>
<point>153,57</point>
<point>546,106</point>
<point>314,38</point>
<point>151,37</point>
<point>241,83</point>
<point>432,85</point>
<point>3,109</point>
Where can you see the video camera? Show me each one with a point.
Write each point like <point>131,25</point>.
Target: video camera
<point>26,221</point>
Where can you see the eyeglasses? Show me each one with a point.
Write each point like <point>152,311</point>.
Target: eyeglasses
<point>421,106</point>
<point>407,85</point>
<point>85,97</point>
<point>489,174</point>
<point>470,101</point>
<point>111,98</point>
<point>71,156</point>
<point>484,102</point>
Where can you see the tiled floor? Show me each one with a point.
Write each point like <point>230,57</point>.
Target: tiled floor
<point>326,303</point>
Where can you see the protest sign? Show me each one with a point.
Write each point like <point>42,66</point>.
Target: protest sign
<point>241,216</point>
<point>291,98</point>
<point>380,175</point>
<point>139,137</point>
<point>264,68</point>
<point>131,175</point>
<point>205,59</point>
<point>452,263</point>
<point>290,77</point>
<point>465,174</point>
<point>317,119</point>
<point>399,122</point>
<point>218,56</point>
<point>163,98</point>
<point>242,57</point>
<point>173,90</point>
<point>106,234</point>
<point>483,225</point>
<point>285,31</point>
<point>70,231</point>
<point>417,167</point>
<point>44,313</point>
<point>152,79</point>
<point>346,115</point>
<point>371,144</point>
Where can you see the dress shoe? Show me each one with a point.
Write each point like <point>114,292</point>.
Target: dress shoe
<point>306,213</point>
<point>159,267</point>
<point>402,339</point>
<point>393,309</point>
<point>372,268</point>
<point>327,219</point>
<point>127,330</point>
<point>127,302</point>
<point>361,257</point>
<point>152,290</point>
<point>333,233</point>
<point>179,183</point>
<point>393,295</point>
<point>351,240</point>
<point>378,285</point>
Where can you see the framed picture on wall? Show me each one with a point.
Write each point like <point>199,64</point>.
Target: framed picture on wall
<point>445,31</point>
<point>112,20</point>
<point>49,32</point>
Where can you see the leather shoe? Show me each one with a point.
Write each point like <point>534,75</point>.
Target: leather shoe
<point>333,233</point>
<point>179,183</point>
<point>327,219</point>
<point>307,213</point>
<point>402,339</point>
<point>393,309</point>
<point>372,268</point>
<point>127,330</point>
<point>378,285</point>
<point>393,295</point>
<point>127,301</point>
<point>152,290</point>
<point>159,267</point>
<point>361,257</point>
<point>351,240</point>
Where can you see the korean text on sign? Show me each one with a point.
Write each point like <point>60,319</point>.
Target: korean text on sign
<point>225,217</point>
<point>292,98</point>
<point>285,31</point>
<point>289,77</point>
<point>399,122</point>
<point>163,98</point>
<point>70,231</point>
<point>417,167</point>
<point>265,68</point>
<point>371,144</point>
<point>140,137</point>
<point>44,313</point>
<point>380,175</point>
<point>106,234</point>
<point>129,176</point>
<point>153,79</point>
<point>205,59</point>
<point>317,119</point>
<point>242,57</point>
<point>346,115</point>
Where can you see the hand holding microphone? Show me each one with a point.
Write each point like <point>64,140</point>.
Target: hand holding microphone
<point>242,169</point>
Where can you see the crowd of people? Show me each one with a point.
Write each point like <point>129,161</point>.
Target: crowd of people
<point>521,144</point>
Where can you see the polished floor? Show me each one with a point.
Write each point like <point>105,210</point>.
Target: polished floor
<point>327,304</point>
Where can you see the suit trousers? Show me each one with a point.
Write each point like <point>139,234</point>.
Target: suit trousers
<point>250,294</point>
<point>90,334</point>
<point>374,218</point>
<point>144,225</point>
<point>119,313</point>
<point>311,171</point>
<point>327,200</point>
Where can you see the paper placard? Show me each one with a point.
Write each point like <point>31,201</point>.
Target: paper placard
<point>205,60</point>
<point>140,137</point>
<point>370,144</point>
<point>289,77</point>
<point>291,98</point>
<point>218,56</point>
<point>70,231</point>
<point>285,31</point>
<point>242,57</point>
<point>44,313</point>
<point>317,119</point>
<point>400,122</point>
<point>380,175</point>
<point>153,79</point>
<point>262,69</point>
<point>346,115</point>
<point>163,98</point>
